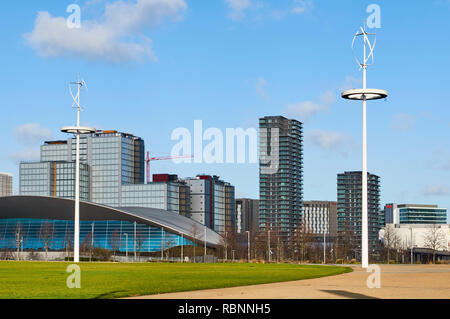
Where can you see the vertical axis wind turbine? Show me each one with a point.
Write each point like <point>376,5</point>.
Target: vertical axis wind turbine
<point>365,95</point>
<point>77,131</point>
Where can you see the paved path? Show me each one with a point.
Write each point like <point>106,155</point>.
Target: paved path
<point>397,281</point>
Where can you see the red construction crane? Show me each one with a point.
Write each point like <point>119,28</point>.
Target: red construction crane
<point>166,158</point>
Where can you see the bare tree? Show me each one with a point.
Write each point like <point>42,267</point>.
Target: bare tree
<point>139,242</point>
<point>302,241</point>
<point>46,235</point>
<point>19,238</point>
<point>68,239</point>
<point>435,240</point>
<point>114,241</point>
<point>391,240</point>
<point>196,231</point>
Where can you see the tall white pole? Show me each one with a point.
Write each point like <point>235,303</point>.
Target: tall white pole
<point>270,251</point>
<point>324,247</point>
<point>76,254</point>
<point>135,234</point>
<point>365,230</point>
<point>412,247</point>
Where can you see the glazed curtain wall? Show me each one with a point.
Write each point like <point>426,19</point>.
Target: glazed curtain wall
<point>33,234</point>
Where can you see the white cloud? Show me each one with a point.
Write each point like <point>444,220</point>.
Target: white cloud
<point>436,190</point>
<point>301,6</point>
<point>117,36</point>
<point>349,83</point>
<point>261,84</point>
<point>402,122</point>
<point>32,133</point>
<point>304,111</point>
<point>330,141</point>
<point>27,155</point>
<point>238,8</point>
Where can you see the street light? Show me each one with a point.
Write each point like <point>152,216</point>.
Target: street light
<point>365,95</point>
<point>77,131</point>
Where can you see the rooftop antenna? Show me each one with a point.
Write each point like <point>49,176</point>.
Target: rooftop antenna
<point>77,131</point>
<point>364,95</point>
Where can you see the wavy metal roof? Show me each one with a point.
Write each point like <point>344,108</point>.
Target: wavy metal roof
<point>52,208</point>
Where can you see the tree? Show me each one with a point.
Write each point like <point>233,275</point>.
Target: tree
<point>435,240</point>
<point>196,231</point>
<point>139,242</point>
<point>19,238</point>
<point>46,235</point>
<point>114,242</point>
<point>391,240</point>
<point>302,241</point>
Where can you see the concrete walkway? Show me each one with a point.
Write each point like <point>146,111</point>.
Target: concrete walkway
<point>397,282</point>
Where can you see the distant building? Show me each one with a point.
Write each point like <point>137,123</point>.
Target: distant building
<point>165,192</point>
<point>415,214</point>
<point>420,243</point>
<point>6,185</point>
<point>281,175</point>
<point>320,217</point>
<point>247,215</point>
<point>212,203</point>
<point>112,174</point>
<point>53,179</point>
<point>349,193</point>
<point>109,159</point>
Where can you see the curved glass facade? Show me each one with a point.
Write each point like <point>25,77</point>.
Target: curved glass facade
<point>34,234</point>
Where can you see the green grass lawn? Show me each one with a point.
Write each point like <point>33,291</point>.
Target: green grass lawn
<point>36,280</point>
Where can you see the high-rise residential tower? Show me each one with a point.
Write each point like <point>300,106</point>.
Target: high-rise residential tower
<point>349,193</point>
<point>281,175</point>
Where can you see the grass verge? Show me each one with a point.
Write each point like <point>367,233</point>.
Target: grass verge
<point>37,280</point>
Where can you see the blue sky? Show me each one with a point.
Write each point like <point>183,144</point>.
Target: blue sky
<point>229,62</point>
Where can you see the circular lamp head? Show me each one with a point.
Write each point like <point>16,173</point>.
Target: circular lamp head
<point>78,130</point>
<point>368,94</point>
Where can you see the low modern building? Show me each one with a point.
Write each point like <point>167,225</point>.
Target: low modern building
<point>415,214</point>
<point>6,184</point>
<point>247,215</point>
<point>37,221</point>
<point>320,217</point>
<point>419,234</point>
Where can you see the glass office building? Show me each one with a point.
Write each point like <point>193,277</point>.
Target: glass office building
<point>281,184</point>
<point>55,179</point>
<point>422,214</point>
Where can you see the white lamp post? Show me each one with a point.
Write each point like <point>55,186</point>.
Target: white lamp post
<point>77,131</point>
<point>365,95</point>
